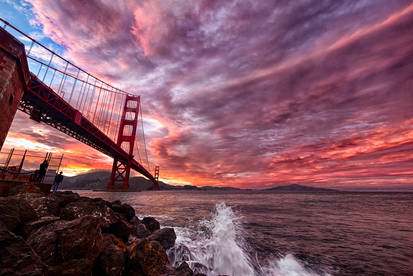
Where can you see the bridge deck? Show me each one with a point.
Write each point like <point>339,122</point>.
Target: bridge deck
<point>44,105</point>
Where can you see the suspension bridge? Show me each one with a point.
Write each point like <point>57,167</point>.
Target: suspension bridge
<point>62,95</point>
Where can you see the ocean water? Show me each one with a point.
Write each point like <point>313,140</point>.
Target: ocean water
<point>220,233</point>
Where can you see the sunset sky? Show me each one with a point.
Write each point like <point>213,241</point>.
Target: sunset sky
<point>243,93</point>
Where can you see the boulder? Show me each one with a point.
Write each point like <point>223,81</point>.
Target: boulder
<point>199,269</point>
<point>63,198</point>
<point>35,224</point>
<point>44,206</point>
<point>165,236</point>
<point>184,270</point>
<point>124,209</point>
<point>111,260</point>
<point>14,211</point>
<point>149,256</point>
<point>151,224</point>
<point>89,207</point>
<point>180,253</point>
<point>17,257</point>
<point>74,267</point>
<point>139,229</point>
<point>122,229</point>
<point>63,241</point>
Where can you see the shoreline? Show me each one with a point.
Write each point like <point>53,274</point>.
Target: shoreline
<point>68,234</point>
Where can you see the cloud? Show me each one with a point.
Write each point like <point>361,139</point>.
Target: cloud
<point>252,93</point>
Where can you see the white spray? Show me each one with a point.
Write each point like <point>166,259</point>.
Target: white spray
<point>217,248</point>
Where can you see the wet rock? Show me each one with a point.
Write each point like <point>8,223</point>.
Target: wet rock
<point>74,267</point>
<point>63,198</point>
<point>151,224</point>
<point>63,241</point>
<point>139,229</point>
<point>122,229</point>
<point>124,209</point>
<point>14,211</point>
<point>199,269</point>
<point>184,270</point>
<point>89,207</point>
<point>165,236</point>
<point>111,260</point>
<point>17,258</point>
<point>44,206</point>
<point>179,253</point>
<point>135,219</point>
<point>149,256</point>
<point>35,224</point>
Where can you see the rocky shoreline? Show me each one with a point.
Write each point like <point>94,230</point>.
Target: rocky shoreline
<point>66,234</point>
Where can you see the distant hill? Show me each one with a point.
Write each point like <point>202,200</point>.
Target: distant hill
<point>295,188</point>
<point>98,180</point>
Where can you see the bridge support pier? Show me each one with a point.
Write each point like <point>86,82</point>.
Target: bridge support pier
<point>14,76</point>
<point>119,179</point>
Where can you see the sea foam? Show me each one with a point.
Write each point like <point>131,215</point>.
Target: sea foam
<point>216,247</point>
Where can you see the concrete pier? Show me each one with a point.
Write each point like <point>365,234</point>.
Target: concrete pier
<point>14,77</point>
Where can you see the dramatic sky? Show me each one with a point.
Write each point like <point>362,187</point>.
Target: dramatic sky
<point>244,93</point>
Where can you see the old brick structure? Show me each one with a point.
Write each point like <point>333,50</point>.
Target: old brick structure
<point>14,77</point>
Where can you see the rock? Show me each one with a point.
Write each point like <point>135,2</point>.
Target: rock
<point>17,258</point>
<point>35,224</point>
<point>180,253</point>
<point>184,270</point>
<point>165,236</point>
<point>149,256</point>
<point>151,224</point>
<point>74,267</point>
<point>14,211</point>
<point>88,207</point>
<point>123,209</point>
<point>111,260</point>
<point>139,229</point>
<point>63,241</point>
<point>63,198</point>
<point>135,219</point>
<point>199,269</point>
<point>44,206</point>
<point>122,229</point>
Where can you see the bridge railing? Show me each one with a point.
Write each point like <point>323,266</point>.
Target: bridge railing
<point>97,100</point>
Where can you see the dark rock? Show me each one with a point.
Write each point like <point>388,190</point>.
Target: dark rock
<point>123,209</point>
<point>74,267</point>
<point>62,241</point>
<point>44,206</point>
<point>17,258</point>
<point>35,224</point>
<point>165,236</point>
<point>184,270</point>
<point>14,211</point>
<point>199,269</point>
<point>63,198</point>
<point>135,219</point>
<point>88,207</point>
<point>151,224</point>
<point>139,229</point>
<point>183,253</point>
<point>111,260</point>
<point>122,229</point>
<point>149,256</point>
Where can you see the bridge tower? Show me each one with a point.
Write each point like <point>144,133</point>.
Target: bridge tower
<point>119,179</point>
<point>156,175</point>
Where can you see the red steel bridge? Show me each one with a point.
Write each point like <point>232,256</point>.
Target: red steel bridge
<point>85,107</point>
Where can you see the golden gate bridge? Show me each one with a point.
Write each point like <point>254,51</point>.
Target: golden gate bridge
<point>81,105</point>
